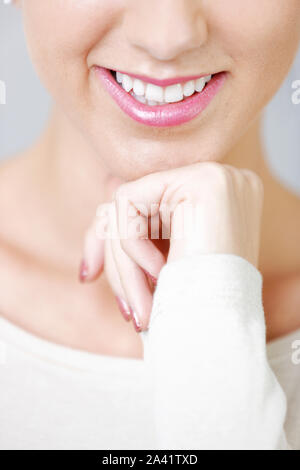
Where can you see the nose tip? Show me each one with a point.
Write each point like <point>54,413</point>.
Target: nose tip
<point>166,29</point>
<point>168,46</point>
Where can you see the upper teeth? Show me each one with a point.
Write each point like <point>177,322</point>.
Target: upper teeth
<point>153,94</point>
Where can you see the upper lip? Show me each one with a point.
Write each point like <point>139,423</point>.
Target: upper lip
<point>163,82</point>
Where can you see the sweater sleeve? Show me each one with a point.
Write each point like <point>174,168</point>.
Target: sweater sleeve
<point>205,348</point>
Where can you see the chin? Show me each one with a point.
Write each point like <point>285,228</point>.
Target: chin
<point>134,162</point>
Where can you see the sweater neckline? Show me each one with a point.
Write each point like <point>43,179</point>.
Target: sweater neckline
<point>57,354</point>
<point>75,358</point>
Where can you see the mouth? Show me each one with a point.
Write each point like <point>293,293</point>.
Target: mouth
<point>161,103</point>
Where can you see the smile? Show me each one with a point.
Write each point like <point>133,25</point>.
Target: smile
<point>161,103</point>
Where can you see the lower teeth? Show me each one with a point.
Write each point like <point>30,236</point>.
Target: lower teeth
<point>143,100</point>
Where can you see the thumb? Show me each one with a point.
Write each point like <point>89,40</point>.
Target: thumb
<point>92,263</point>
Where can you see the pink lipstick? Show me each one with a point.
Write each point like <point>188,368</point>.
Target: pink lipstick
<point>161,115</point>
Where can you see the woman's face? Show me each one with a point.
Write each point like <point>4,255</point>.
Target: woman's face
<point>253,41</point>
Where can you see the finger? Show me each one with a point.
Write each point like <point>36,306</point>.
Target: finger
<point>152,197</point>
<point>113,278</point>
<point>112,184</point>
<point>92,263</point>
<point>138,293</point>
<point>93,255</point>
<point>135,284</point>
<point>134,229</point>
<point>146,255</point>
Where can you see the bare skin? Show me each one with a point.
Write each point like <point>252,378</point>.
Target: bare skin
<point>43,223</point>
<point>49,194</point>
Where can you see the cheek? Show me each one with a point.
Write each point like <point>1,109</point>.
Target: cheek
<point>60,35</point>
<point>254,26</point>
<point>261,36</point>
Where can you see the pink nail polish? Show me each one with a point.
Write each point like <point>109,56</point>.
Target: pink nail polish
<point>136,322</point>
<point>153,279</point>
<point>124,308</point>
<point>83,271</point>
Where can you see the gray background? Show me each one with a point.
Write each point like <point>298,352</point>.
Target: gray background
<point>27,105</point>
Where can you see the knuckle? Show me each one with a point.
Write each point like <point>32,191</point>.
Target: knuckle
<point>118,194</point>
<point>255,181</point>
<point>103,210</point>
<point>121,193</point>
<point>123,244</point>
<point>217,175</point>
<point>210,176</point>
<point>258,184</point>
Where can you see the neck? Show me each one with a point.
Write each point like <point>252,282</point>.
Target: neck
<point>280,226</point>
<point>74,180</point>
<point>78,182</point>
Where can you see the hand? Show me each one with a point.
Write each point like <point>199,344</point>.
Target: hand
<point>203,208</point>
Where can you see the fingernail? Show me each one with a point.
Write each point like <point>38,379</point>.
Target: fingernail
<point>124,308</point>
<point>136,322</point>
<point>153,279</point>
<point>83,271</point>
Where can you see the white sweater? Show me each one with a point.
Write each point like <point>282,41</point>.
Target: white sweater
<point>205,381</point>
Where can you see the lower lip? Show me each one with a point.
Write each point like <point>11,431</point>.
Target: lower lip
<point>167,115</point>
